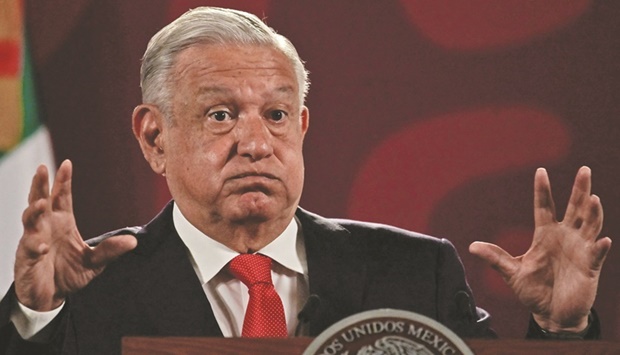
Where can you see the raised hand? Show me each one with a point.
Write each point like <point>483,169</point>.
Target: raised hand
<point>52,260</point>
<point>558,276</point>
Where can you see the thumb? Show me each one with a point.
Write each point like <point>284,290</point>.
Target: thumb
<point>112,248</point>
<point>600,250</point>
<point>498,258</point>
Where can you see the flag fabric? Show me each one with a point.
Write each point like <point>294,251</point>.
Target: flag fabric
<point>24,141</point>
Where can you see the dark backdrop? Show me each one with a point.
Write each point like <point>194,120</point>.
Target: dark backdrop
<point>429,115</point>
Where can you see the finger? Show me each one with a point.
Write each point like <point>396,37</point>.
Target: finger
<point>32,213</point>
<point>39,188</point>
<point>593,219</point>
<point>31,241</point>
<point>544,207</point>
<point>498,258</point>
<point>579,195</point>
<point>601,248</point>
<point>111,249</point>
<point>61,190</point>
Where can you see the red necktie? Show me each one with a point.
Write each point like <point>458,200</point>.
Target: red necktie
<point>264,316</point>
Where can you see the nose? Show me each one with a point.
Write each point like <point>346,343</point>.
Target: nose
<point>254,138</point>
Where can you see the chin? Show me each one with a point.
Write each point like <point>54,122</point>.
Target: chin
<point>260,208</point>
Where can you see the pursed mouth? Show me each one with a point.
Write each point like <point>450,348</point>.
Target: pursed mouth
<point>252,182</point>
<point>254,174</point>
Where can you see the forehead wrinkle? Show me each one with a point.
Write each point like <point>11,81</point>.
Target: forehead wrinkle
<point>259,68</point>
<point>284,91</point>
<point>213,90</point>
<point>204,66</point>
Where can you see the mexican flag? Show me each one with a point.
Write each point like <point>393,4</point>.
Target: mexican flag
<point>24,141</point>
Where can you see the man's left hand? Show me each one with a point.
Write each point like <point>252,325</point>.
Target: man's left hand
<point>558,276</point>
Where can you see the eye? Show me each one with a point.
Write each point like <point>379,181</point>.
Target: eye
<point>277,115</point>
<point>220,116</point>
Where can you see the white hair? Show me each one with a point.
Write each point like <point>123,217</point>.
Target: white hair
<point>208,25</point>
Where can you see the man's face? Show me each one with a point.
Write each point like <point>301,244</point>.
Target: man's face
<point>233,150</point>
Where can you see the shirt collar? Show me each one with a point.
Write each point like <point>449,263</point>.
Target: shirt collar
<point>283,249</point>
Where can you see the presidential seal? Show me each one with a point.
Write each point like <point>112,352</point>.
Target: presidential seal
<point>388,332</point>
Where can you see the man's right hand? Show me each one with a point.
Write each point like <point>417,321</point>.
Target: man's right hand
<point>52,260</point>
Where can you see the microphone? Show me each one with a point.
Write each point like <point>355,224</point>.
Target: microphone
<point>464,306</point>
<point>307,312</point>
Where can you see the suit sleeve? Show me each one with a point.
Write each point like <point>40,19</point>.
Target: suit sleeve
<point>592,331</point>
<point>12,343</point>
<point>455,301</point>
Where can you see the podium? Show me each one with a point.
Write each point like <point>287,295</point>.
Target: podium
<point>241,346</point>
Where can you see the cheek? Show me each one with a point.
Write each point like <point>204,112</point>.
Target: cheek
<point>199,155</point>
<point>204,148</point>
<point>214,158</point>
<point>294,163</point>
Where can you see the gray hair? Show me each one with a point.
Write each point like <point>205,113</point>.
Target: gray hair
<point>208,25</point>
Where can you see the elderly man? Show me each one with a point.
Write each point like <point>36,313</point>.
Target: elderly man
<point>224,121</point>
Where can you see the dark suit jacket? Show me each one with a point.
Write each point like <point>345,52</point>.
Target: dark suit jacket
<point>353,267</point>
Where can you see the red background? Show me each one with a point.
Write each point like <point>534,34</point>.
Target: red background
<point>429,115</point>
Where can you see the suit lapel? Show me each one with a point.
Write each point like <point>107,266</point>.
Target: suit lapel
<point>172,296</point>
<point>174,302</point>
<point>336,270</point>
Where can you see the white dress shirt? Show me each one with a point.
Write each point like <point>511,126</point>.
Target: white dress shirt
<point>228,296</point>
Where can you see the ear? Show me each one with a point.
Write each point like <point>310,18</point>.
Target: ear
<point>305,120</point>
<point>148,128</point>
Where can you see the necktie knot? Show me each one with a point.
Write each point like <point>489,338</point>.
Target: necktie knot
<point>251,269</point>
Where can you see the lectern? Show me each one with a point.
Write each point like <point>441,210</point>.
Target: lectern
<point>241,346</point>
